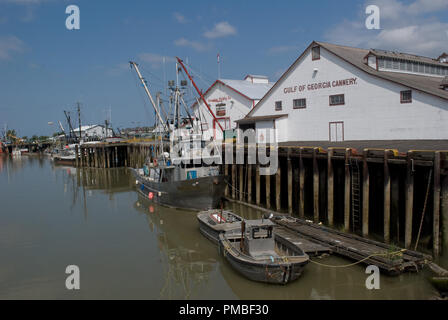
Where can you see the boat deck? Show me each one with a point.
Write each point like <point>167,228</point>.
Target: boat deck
<point>351,246</point>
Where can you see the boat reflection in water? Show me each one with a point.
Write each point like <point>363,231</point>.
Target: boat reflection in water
<point>189,260</point>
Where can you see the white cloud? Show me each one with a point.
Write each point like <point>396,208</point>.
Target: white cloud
<point>198,46</point>
<point>180,17</point>
<point>409,28</point>
<point>10,45</point>
<point>221,29</point>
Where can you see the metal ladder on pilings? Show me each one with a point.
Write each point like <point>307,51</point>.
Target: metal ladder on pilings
<point>356,194</point>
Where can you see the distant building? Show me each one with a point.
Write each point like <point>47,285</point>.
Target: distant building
<point>230,100</point>
<point>94,132</point>
<point>336,93</point>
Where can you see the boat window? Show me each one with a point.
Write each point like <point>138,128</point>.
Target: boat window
<point>261,233</point>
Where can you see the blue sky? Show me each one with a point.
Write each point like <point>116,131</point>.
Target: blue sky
<point>45,68</point>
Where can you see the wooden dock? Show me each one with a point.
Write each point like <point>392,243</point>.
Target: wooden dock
<point>350,246</point>
<point>311,248</point>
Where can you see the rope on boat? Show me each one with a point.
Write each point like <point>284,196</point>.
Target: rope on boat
<point>395,253</point>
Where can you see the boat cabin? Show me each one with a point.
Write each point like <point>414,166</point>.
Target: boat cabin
<point>258,239</point>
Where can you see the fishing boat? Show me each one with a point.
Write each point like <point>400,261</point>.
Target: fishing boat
<point>214,222</point>
<point>189,186</point>
<point>65,158</point>
<point>258,255</point>
<point>186,176</point>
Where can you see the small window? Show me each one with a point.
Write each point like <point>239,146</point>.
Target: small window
<point>315,53</point>
<point>278,105</point>
<point>299,103</point>
<point>406,96</point>
<point>337,99</point>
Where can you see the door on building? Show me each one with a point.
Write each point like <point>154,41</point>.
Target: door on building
<point>336,131</point>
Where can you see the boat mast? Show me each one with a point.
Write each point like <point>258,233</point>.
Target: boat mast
<point>79,120</point>
<point>200,94</point>
<point>135,65</point>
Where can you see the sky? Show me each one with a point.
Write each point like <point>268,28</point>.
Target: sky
<point>46,68</point>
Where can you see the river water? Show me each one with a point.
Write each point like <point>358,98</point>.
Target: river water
<point>128,248</point>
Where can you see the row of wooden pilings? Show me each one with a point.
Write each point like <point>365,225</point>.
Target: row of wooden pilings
<point>114,155</point>
<point>401,196</point>
<point>359,192</point>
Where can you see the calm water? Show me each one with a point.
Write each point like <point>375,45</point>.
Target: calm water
<point>125,247</point>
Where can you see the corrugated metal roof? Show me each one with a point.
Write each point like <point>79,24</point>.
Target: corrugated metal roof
<point>254,91</point>
<point>406,56</point>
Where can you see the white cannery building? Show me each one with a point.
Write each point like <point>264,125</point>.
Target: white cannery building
<point>339,93</point>
<point>230,100</point>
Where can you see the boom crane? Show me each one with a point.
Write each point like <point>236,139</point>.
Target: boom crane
<point>200,94</point>
<point>135,65</point>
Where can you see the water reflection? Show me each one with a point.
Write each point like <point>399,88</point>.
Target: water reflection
<point>188,259</point>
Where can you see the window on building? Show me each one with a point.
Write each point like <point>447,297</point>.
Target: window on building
<point>315,53</point>
<point>299,103</point>
<point>278,105</point>
<point>337,99</point>
<point>406,96</point>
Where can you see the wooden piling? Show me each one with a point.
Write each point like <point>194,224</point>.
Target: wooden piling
<point>257,185</point>
<point>268,191</point>
<point>409,206</point>
<point>444,211</point>
<point>330,188</point>
<point>290,173</point>
<point>436,205</point>
<point>234,181</point>
<point>301,185</point>
<point>365,194</point>
<point>109,154</point>
<point>96,157</point>
<point>315,185</point>
<point>249,183</point>
<point>387,195</point>
<point>347,182</point>
<point>226,173</point>
<point>241,171</point>
<point>278,188</point>
<point>76,156</point>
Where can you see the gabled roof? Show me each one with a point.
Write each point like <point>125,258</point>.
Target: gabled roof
<point>355,57</point>
<point>249,90</point>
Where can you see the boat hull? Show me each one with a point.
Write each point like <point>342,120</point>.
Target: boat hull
<point>194,194</point>
<point>64,161</point>
<point>278,272</point>
<point>212,232</point>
